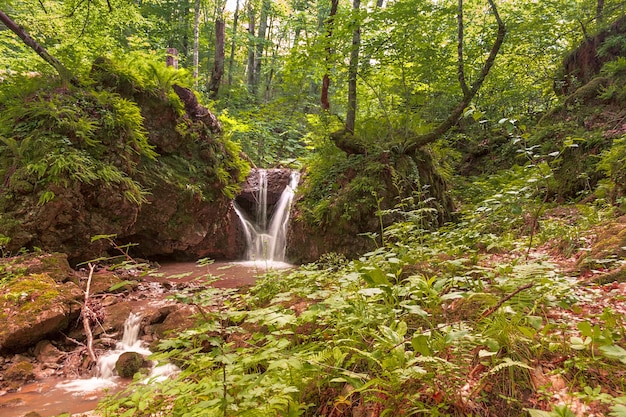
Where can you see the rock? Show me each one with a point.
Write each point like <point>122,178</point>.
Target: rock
<point>343,212</point>
<point>19,373</point>
<point>54,264</point>
<point>47,354</point>
<point>180,318</point>
<point>35,307</point>
<point>129,363</point>
<point>164,181</point>
<point>248,198</point>
<point>103,280</point>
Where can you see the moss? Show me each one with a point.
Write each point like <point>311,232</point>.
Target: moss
<point>610,245</point>
<point>32,293</point>
<point>589,91</point>
<point>129,363</point>
<point>20,371</point>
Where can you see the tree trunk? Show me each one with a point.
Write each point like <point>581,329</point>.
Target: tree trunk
<point>218,67</point>
<point>468,91</point>
<point>63,72</point>
<point>233,45</point>
<point>196,37</point>
<point>330,23</point>
<point>353,68</point>
<point>260,44</point>
<point>250,47</point>
<point>600,12</point>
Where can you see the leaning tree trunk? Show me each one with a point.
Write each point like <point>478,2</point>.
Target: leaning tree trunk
<point>469,91</point>
<point>64,73</point>
<point>353,68</point>
<point>218,67</point>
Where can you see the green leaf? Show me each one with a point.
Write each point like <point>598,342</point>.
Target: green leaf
<point>618,411</point>
<point>538,413</point>
<point>614,352</point>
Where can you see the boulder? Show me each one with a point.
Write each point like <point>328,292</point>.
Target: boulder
<point>129,363</point>
<point>35,307</point>
<point>47,354</point>
<point>149,175</point>
<point>19,373</point>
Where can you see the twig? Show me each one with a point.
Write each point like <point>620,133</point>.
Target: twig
<point>87,315</point>
<point>493,309</point>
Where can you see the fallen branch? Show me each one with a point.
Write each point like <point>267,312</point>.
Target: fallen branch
<point>493,309</point>
<point>87,314</point>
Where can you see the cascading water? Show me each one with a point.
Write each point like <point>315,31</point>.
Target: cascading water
<point>106,377</point>
<point>266,239</point>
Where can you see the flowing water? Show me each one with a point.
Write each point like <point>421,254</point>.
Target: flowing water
<point>266,238</point>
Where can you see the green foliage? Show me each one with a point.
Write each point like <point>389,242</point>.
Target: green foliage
<point>424,324</point>
<point>61,136</point>
<point>269,135</point>
<point>613,164</point>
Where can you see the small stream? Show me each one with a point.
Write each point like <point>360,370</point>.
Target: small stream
<point>265,234</point>
<point>54,396</point>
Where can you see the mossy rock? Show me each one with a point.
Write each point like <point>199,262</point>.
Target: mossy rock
<point>589,91</point>
<point>19,374</point>
<point>34,307</point>
<point>129,363</point>
<point>610,244</point>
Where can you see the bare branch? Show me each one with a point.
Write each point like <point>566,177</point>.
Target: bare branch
<point>493,309</point>
<point>87,314</point>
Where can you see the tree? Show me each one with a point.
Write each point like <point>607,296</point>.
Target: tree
<point>251,47</point>
<point>330,24</point>
<point>469,91</point>
<point>260,45</point>
<point>218,65</point>
<point>233,44</point>
<point>353,68</point>
<point>196,37</point>
<point>63,72</point>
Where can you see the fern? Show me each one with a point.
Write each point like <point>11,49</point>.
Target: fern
<point>507,363</point>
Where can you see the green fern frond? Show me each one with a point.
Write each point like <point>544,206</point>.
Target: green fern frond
<point>507,363</point>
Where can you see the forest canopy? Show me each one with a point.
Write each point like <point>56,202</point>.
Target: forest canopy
<point>410,65</point>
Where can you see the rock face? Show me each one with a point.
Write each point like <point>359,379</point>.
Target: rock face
<point>142,170</point>
<point>277,181</point>
<point>585,62</point>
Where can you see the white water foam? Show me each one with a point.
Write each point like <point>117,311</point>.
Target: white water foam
<point>266,239</point>
<point>106,376</point>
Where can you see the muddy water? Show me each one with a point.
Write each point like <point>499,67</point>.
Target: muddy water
<point>48,399</point>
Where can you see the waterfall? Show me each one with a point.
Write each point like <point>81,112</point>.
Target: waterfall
<point>130,343</point>
<point>266,238</point>
<point>106,376</point>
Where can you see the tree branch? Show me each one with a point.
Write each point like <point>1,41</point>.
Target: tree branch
<point>417,142</point>
<point>64,73</point>
<point>87,314</point>
<point>493,309</point>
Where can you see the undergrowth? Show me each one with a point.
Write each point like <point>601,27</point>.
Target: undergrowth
<point>430,324</point>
